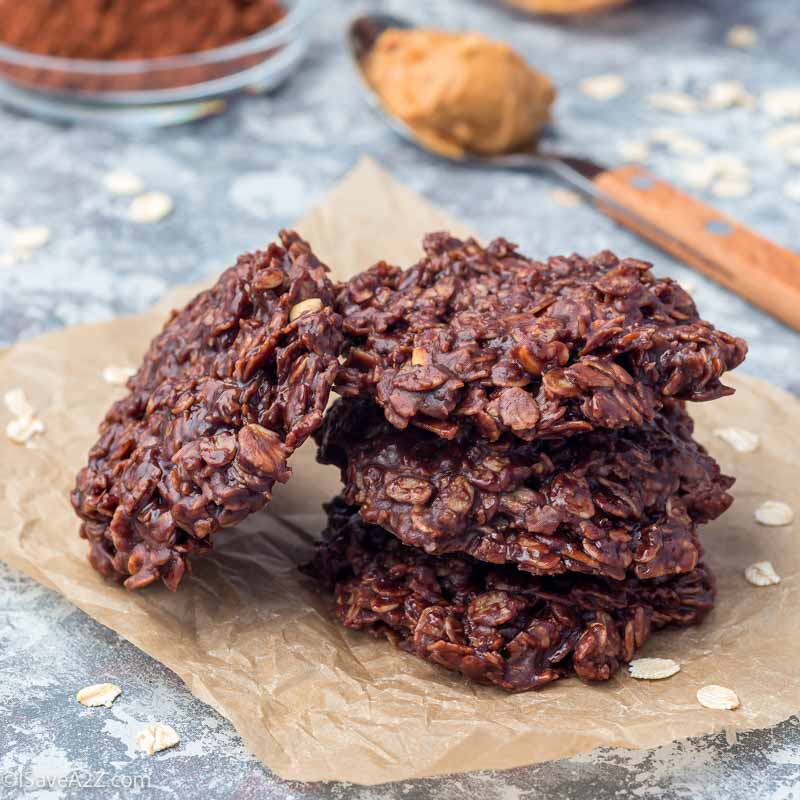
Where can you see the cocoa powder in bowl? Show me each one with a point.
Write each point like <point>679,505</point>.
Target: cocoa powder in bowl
<point>125,30</point>
<point>131,29</point>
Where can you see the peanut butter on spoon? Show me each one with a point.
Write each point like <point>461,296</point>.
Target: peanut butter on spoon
<point>459,93</point>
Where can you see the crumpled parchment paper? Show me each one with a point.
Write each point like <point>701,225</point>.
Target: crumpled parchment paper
<point>253,638</point>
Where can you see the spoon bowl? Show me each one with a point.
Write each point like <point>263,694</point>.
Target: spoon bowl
<point>365,30</point>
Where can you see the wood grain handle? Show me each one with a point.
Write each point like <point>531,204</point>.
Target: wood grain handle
<point>760,271</point>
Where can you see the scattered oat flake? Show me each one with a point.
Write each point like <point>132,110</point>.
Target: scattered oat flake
<point>634,151</point>
<point>122,181</point>
<point>742,36</point>
<point>603,87</point>
<point>727,94</point>
<point>686,146</point>
<point>25,424</point>
<point>783,103</point>
<point>150,207</point>
<point>762,573</point>
<point>740,440</point>
<point>791,190</point>
<point>17,403</point>
<point>774,513</point>
<point>785,136</point>
<point>24,240</point>
<point>718,698</point>
<point>732,188</point>
<point>118,376</point>
<point>732,172</point>
<point>99,694</point>
<point>566,198</point>
<point>675,102</point>
<point>22,429</point>
<point>698,174</point>
<point>155,738</point>
<point>653,669</point>
<point>677,141</point>
<point>729,165</point>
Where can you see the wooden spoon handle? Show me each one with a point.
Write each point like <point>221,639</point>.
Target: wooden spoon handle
<point>760,271</point>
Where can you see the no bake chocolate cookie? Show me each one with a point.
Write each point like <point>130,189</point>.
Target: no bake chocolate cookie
<point>233,384</point>
<point>488,336</point>
<point>496,625</point>
<point>611,503</point>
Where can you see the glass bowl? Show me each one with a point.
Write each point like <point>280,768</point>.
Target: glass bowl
<point>156,91</point>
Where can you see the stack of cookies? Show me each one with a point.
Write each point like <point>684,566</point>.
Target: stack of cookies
<point>522,492</point>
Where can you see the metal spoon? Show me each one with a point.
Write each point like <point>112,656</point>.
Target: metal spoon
<point>578,172</point>
<point>724,250</point>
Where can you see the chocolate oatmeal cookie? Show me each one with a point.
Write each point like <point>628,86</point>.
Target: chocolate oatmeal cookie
<point>496,625</point>
<point>233,384</point>
<point>610,503</point>
<point>514,345</point>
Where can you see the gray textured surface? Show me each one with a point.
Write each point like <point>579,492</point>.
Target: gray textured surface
<point>235,180</point>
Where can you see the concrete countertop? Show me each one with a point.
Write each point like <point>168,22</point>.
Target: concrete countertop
<point>235,180</point>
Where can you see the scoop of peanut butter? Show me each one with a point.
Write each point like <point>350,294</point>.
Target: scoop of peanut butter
<point>459,93</point>
<point>565,6</point>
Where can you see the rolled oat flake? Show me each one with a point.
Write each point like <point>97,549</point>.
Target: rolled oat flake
<point>653,669</point>
<point>98,694</point>
<point>719,698</point>
<point>22,429</point>
<point>121,181</point>
<point>150,207</point>
<point>740,440</point>
<point>742,36</point>
<point>157,737</point>
<point>774,514</point>
<point>118,376</point>
<point>17,403</point>
<point>603,87</point>
<point>31,238</point>
<point>762,573</point>
<point>566,198</point>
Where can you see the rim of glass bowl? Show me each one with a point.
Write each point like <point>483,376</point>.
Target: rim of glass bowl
<point>274,35</point>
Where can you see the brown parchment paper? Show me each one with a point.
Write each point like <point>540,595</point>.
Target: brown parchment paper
<point>252,637</point>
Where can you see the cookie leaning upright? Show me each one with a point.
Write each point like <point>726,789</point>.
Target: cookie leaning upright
<point>234,383</point>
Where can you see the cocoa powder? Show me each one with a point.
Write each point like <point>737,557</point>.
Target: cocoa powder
<point>131,29</point>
